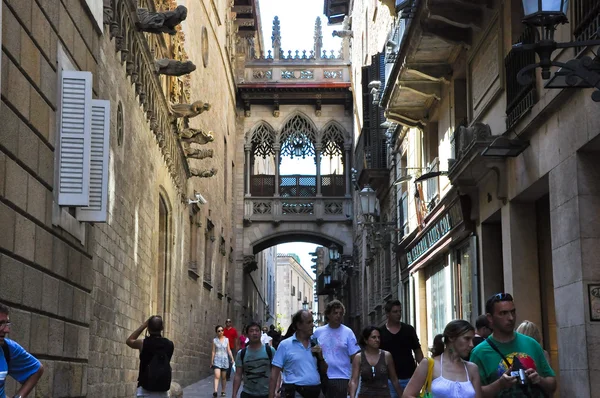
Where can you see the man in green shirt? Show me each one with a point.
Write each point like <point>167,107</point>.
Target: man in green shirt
<point>253,364</point>
<point>499,370</point>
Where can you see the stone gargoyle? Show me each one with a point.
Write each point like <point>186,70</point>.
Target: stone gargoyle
<point>196,136</point>
<point>195,153</point>
<point>203,173</point>
<point>160,22</point>
<point>342,33</point>
<point>189,110</point>
<point>172,67</point>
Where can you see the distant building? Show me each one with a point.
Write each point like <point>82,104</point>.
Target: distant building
<point>295,288</point>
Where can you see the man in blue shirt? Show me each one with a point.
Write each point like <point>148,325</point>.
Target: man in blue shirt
<point>18,364</point>
<point>296,359</point>
<point>339,347</point>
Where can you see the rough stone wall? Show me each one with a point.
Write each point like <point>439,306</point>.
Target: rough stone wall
<point>46,274</point>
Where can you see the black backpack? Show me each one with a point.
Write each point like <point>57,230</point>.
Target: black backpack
<point>157,375</point>
<point>269,354</point>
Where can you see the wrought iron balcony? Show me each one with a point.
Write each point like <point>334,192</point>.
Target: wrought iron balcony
<point>371,157</point>
<point>519,99</point>
<point>297,185</point>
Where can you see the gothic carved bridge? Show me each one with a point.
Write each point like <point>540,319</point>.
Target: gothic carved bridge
<point>297,106</point>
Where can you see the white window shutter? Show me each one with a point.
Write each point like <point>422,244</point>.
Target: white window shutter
<point>75,138</point>
<point>96,211</point>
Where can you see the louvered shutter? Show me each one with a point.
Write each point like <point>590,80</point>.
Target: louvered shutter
<point>75,137</point>
<point>96,211</point>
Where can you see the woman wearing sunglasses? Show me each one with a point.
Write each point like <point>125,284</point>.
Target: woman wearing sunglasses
<point>221,353</point>
<point>374,367</point>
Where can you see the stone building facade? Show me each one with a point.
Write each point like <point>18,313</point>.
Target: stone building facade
<point>479,223</point>
<point>295,289</point>
<point>78,289</point>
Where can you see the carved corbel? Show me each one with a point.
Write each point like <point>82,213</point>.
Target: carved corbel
<point>196,136</point>
<point>172,67</point>
<point>247,112</point>
<point>195,153</point>
<point>189,110</point>
<point>276,109</point>
<point>160,22</point>
<point>203,173</point>
<point>107,12</point>
<point>318,108</point>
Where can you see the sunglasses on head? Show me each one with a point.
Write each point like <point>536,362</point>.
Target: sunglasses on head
<point>502,297</point>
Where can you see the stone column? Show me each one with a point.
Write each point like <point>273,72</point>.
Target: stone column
<point>348,171</point>
<point>277,162</point>
<point>248,168</point>
<point>575,229</point>
<point>520,259</point>
<point>318,163</point>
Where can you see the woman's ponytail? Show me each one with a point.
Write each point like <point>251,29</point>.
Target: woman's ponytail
<point>438,345</point>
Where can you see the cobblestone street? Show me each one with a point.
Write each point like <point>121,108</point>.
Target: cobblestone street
<point>204,389</point>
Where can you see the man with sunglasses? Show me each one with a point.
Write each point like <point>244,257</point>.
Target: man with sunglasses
<point>511,364</point>
<point>24,367</point>
<point>232,334</point>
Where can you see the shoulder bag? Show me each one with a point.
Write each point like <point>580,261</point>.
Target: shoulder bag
<point>426,390</point>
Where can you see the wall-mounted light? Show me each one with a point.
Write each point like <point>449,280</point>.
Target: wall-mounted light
<point>543,16</point>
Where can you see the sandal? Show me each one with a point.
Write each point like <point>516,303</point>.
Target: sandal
<point>223,394</point>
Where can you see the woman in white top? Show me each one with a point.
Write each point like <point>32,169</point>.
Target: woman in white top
<point>453,377</point>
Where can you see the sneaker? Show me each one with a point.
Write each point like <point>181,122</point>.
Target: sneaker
<point>214,394</point>
<point>223,394</point>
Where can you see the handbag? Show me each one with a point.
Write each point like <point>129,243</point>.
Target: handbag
<point>426,390</point>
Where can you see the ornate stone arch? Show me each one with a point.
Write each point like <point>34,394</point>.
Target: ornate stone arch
<point>333,139</point>
<point>262,139</point>
<point>298,136</point>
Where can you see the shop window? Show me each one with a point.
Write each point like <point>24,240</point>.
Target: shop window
<point>464,283</point>
<point>437,304</point>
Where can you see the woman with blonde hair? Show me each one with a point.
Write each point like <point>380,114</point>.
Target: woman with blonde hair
<point>530,329</point>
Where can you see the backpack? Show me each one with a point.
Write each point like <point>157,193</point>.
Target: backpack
<point>269,354</point>
<point>6,354</point>
<point>157,375</point>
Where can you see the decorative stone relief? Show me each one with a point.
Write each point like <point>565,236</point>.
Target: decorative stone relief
<point>173,67</point>
<point>195,153</point>
<point>332,74</point>
<point>203,173</point>
<point>307,74</point>
<point>160,22</point>
<point>288,74</point>
<point>189,110</point>
<point>196,136</point>
<point>263,74</point>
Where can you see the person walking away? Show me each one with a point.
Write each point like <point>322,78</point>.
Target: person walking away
<point>221,358</point>
<point>15,361</point>
<point>401,340</point>
<point>243,340</point>
<point>452,376</point>
<point>253,365</point>
<point>297,361</point>
<point>154,378</point>
<point>275,335</point>
<point>510,363</point>
<point>482,330</point>
<point>339,348</point>
<point>530,329</point>
<point>374,367</point>
<point>232,335</point>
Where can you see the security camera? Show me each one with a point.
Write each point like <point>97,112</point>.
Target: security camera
<point>199,199</point>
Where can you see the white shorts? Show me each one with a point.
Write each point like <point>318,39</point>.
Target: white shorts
<point>141,392</point>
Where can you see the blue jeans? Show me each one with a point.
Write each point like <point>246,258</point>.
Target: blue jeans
<point>402,382</point>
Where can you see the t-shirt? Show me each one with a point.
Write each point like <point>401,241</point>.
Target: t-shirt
<point>492,366</point>
<point>266,339</point>
<point>22,365</point>
<point>401,345</point>
<point>257,370</point>
<point>298,364</point>
<point>232,335</point>
<point>338,344</point>
<point>150,346</point>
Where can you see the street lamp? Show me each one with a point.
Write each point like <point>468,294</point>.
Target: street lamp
<point>543,16</point>
<point>327,279</point>
<point>334,252</point>
<point>368,198</point>
<point>305,305</point>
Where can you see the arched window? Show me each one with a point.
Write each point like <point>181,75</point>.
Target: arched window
<point>298,137</point>
<point>262,139</point>
<point>333,180</point>
<point>163,271</point>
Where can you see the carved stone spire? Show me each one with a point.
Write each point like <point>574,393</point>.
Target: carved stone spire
<point>276,38</point>
<point>318,37</point>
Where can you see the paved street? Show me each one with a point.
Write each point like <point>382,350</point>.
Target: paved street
<point>204,389</point>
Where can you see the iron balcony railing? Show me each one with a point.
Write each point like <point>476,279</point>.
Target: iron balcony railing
<point>297,185</point>
<point>371,150</point>
<point>586,19</point>
<point>519,99</point>
<point>305,209</point>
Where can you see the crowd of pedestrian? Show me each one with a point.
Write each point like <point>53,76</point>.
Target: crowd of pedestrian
<point>490,359</point>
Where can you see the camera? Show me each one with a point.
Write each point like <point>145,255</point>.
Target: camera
<point>520,374</point>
